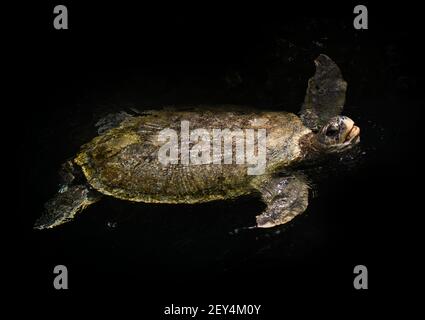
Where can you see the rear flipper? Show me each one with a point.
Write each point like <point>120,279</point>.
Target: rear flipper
<point>65,205</point>
<point>285,197</point>
<point>74,195</point>
<point>111,120</point>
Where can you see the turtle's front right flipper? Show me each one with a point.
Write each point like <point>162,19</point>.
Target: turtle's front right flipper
<point>66,204</point>
<point>285,197</point>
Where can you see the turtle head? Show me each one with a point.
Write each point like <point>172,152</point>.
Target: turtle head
<point>338,134</point>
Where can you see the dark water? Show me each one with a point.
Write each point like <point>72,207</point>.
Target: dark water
<point>358,214</point>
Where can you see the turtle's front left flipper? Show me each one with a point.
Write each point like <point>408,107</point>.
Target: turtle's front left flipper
<point>325,96</point>
<point>285,197</point>
<point>66,204</point>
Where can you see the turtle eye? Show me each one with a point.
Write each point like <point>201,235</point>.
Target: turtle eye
<point>332,131</point>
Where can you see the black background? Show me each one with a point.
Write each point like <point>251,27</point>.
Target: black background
<point>125,55</point>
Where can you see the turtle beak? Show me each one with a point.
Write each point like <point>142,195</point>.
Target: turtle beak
<point>352,132</point>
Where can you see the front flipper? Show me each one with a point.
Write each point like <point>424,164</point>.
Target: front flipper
<point>65,205</point>
<point>325,96</point>
<point>285,197</point>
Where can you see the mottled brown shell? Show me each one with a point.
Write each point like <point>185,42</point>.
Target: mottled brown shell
<point>123,162</point>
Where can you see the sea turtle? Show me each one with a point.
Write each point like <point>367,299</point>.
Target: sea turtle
<point>123,160</point>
